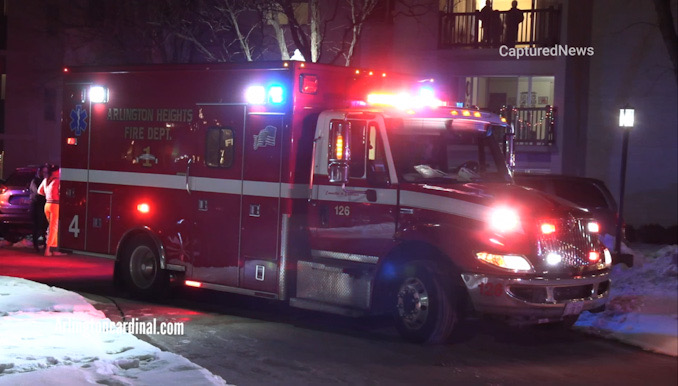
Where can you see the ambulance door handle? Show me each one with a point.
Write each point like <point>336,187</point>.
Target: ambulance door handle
<point>188,174</point>
<point>324,215</point>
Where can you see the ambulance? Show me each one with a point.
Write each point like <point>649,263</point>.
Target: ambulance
<point>336,189</point>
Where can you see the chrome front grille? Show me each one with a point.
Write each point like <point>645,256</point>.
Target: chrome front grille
<point>571,241</point>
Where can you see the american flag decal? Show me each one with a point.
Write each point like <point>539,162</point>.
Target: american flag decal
<point>266,137</point>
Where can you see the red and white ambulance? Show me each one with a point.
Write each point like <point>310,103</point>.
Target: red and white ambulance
<point>334,189</point>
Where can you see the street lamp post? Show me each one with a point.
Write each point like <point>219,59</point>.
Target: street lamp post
<point>626,120</point>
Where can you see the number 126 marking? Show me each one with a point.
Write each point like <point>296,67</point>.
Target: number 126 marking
<point>342,210</point>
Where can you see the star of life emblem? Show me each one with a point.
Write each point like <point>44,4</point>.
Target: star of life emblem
<point>78,120</point>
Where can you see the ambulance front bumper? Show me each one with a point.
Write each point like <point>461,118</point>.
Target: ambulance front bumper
<point>537,300</point>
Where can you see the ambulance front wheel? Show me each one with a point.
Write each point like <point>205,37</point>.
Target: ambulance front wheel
<point>140,267</point>
<point>424,308</point>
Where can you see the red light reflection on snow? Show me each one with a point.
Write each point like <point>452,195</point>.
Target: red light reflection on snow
<point>21,262</point>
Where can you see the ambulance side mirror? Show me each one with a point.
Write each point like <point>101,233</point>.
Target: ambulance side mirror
<point>339,152</point>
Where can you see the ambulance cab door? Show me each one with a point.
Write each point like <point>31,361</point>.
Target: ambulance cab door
<point>260,237</point>
<point>356,222</point>
<point>214,193</point>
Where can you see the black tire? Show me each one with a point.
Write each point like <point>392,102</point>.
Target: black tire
<point>140,268</point>
<point>13,237</point>
<point>425,310</point>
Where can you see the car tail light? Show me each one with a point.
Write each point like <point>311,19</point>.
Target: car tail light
<point>192,283</point>
<point>3,189</point>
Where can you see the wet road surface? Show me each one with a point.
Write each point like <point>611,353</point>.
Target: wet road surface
<point>255,342</point>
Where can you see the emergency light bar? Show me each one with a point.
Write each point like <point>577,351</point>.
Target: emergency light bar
<point>98,94</point>
<point>260,95</point>
<point>405,101</point>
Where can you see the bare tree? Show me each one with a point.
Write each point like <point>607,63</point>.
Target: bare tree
<point>667,28</point>
<point>360,10</point>
<point>272,19</point>
<point>136,31</point>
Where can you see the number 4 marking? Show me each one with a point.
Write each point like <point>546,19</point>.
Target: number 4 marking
<point>73,227</point>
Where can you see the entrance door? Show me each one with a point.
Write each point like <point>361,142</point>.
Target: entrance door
<point>214,192</point>
<point>260,236</point>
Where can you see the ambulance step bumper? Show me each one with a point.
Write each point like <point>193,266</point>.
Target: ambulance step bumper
<point>314,305</point>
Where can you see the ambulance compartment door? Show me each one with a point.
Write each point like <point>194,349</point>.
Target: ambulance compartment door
<point>214,191</point>
<point>260,237</point>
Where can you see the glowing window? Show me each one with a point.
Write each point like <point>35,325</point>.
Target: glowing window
<point>219,149</point>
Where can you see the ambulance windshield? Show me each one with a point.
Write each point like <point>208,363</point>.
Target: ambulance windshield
<point>442,151</point>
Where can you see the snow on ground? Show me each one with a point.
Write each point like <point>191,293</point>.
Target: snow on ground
<point>50,336</point>
<point>643,306</point>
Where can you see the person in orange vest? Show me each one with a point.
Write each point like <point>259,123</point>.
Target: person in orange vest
<point>49,187</point>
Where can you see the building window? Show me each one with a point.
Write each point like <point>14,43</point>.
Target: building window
<point>219,147</point>
<point>493,93</point>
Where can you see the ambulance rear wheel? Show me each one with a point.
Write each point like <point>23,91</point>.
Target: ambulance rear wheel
<point>141,270</point>
<point>424,308</point>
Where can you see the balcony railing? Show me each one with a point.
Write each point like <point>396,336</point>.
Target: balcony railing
<point>539,28</point>
<point>533,125</point>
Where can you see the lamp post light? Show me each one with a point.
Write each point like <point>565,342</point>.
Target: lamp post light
<point>626,120</point>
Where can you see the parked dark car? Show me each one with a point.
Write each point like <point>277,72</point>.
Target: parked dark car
<point>15,204</point>
<point>588,193</point>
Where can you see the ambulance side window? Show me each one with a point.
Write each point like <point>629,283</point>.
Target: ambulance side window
<point>377,171</point>
<point>358,149</point>
<point>219,147</point>
<point>367,154</point>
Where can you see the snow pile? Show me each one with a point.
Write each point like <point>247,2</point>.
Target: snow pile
<point>643,306</point>
<point>37,346</point>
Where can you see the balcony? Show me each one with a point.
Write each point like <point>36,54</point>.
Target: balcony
<point>534,126</point>
<point>540,28</point>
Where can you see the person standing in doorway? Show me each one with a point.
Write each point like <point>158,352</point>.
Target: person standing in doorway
<point>513,18</point>
<point>50,189</point>
<point>38,207</point>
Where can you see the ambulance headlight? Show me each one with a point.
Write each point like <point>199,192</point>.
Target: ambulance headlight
<point>504,219</point>
<point>553,258</point>
<point>593,227</point>
<point>509,262</point>
<point>98,94</point>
